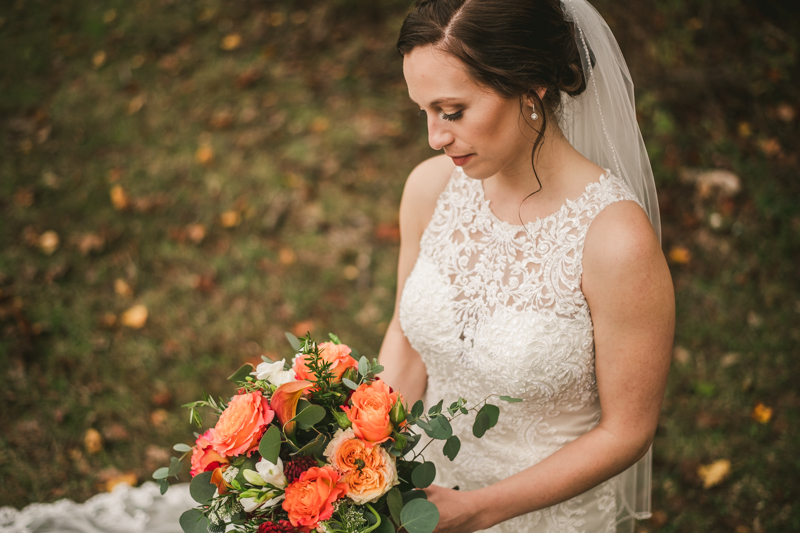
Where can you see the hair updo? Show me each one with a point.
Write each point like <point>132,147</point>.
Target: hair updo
<point>514,47</point>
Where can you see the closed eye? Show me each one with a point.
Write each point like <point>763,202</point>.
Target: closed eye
<point>451,117</point>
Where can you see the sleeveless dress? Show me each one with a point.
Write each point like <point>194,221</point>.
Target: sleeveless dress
<point>495,308</point>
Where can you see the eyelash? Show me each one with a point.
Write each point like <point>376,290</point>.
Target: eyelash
<point>453,117</point>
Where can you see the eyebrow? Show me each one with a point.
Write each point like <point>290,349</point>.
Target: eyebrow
<point>439,101</point>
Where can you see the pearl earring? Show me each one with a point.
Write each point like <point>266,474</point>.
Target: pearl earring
<point>534,116</point>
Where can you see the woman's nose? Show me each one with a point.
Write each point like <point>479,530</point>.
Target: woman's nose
<point>439,134</point>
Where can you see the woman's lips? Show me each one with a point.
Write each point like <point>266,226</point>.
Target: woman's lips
<point>461,160</point>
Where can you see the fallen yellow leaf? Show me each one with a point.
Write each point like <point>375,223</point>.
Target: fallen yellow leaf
<point>231,42</point>
<point>680,255</point>
<point>93,441</point>
<point>230,219</point>
<point>122,288</point>
<point>715,473</point>
<point>159,417</point>
<point>108,320</point>
<point>98,59</point>
<point>287,256</point>
<point>135,317</point>
<point>196,232</point>
<point>136,104</point>
<point>762,414</point>
<point>204,154</point>
<point>48,242</point>
<point>119,198</point>
<point>320,125</point>
<point>109,16</point>
<point>128,478</point>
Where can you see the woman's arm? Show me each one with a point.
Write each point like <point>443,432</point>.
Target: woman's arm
<point>629,290</point>
<point>404,369</point>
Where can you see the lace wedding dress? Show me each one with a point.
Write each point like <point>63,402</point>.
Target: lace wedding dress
<point>495,309</point>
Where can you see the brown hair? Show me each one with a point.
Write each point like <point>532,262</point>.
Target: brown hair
<point>513,47</point>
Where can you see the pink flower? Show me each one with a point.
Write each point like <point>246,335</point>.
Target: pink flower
<point>204,458</point>
<point>336,354</point>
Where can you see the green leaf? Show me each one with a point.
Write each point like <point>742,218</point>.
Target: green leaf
<point>481,424</point>
<point>181,447</point>
<point>201,488</point>
<point>334,338</point>
<point>377,369</point>
<point>440,428</point>
<point>423,475</point>
<point>363,366</point>
<point>413,495</point>
<point>163,484</point>
<point>395,502</point>
<point>309,416</point>
<point>349,384</point>
<point>509,399</point>
<point>417,409</point>
<point>386,525</point>
<point>419,516</point>
<point>424,425</point>
<point>451,447</point>
<point>241,374</point>
<point>174,466</point>
<point>193,521</point>
<point>315,447</point>
<point>294,341</point>
<point>436,408</point>
<point>270,445</point>
<point>494,413</point>
<point>161,473</point>
<point>354,354</point>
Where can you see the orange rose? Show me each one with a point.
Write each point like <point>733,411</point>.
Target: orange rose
<point>309,500</point>
<point>338,355</point>
<point>369,471</point>
<point>204,458</point>
<point>241,424</point>
<point>371,404</point>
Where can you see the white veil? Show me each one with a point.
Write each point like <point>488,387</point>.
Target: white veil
<point>601,125</point>
<point>601,122</point>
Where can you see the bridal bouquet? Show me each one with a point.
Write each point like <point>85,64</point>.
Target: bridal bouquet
<point>325,445</point>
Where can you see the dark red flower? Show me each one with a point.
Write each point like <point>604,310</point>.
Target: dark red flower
<point>282,526</point>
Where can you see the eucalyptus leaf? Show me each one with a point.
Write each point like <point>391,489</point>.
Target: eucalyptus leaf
<point>309,416</point>
<point>350,384</point>
<point>201,489</point>
<point>241,374</point>
<point>294,341</point>
<point>481,424</point>
<point>417,409</point>
<point>419,516</point>
<point>386,525</point>
<point>193,521</point>
<point>174,466</point>
<point>414,495</point>
<point>423,475</point>
<point>363,366</point>
<point>509,399</point>
<point>394,501</point>
<point>446,430</point>
<point>161,473</point>
<point>424,425</point>
<point>436,408</point>
<point>163,484</point>
<point>377,369</point>
<point>334,338</point>
<point>451,447</point>
<point>181,447</point>
<point>270,445</point>
<point>494,413</point>
<point>315,447</point>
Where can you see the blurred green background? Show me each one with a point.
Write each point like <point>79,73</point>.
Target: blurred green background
<point>183,181</point>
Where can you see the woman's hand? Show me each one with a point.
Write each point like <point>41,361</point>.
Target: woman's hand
<point>457,514</point>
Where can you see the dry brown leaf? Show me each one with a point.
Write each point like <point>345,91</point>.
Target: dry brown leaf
<point>762,414</point>
<point>128,478</point>
<point>231,41</point>
<point>136,104</point>
<point>51,179</point>
<point>786,112</point>
<point>93,441</point>
<point>108,320</point>
<point>204,154</point>
<point>119,198</point>
<point>90,242</point>
<point>114,174</point>
<point>302,327</point>
<point>135,317</point>
<point>23,197</point>
<point>351,272</point>
<point>770,146</point>
<point>248,78</point>
<point>681,355</point>
<point>196,232</point>
<point>287,256</point>
<point>159,417</point>
<point>714,473</point>
<point>137,61</point>
<point>221,119</point>
<point>320,125</point>
<point>110,16</point>
<point>122,288</point>
<point>48,242</point>
<point>230,219</point>
<point>680,255</point>
<point>115,433</point>
<point>98,59</point>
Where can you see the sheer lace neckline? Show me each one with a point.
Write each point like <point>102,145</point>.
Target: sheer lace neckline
<point>537,223</point>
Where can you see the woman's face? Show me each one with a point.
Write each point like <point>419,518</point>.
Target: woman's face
<point>481,131</point>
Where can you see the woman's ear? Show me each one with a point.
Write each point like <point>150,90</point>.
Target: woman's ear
<point>530,101</point>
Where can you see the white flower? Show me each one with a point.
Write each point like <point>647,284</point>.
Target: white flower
<point>251,504</point>
<point>230,474</point>
<point>272,473</point>
<point>274,373</point>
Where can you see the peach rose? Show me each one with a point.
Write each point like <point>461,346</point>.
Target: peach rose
<point>204,458</point>
<point>371,404</point>
<point>241,424</point>
<point>336,354</point>
<point>369,471</point>
<point>309,500</point>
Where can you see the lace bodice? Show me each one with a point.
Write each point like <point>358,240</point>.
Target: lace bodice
<point>497,308</point>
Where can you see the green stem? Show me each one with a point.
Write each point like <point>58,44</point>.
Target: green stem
<point>377,517</point>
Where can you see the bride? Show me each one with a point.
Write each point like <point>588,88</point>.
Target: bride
<point>530,266</point>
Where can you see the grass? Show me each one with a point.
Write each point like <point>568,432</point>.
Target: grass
<point>303,135</point>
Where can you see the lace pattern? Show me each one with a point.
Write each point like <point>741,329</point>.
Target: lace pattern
<point>493,307</point>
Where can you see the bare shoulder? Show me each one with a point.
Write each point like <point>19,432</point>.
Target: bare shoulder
<point>621,245</point>
<point>423,187</point>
